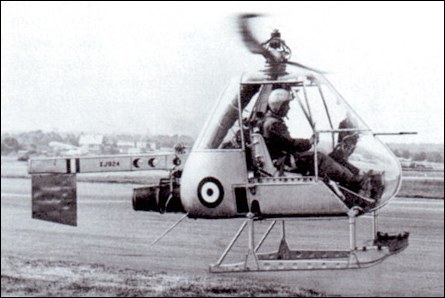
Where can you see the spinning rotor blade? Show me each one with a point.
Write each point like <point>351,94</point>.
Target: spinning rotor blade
<point>305,67</point>
<point>256,47</point>
<point>250,41</point>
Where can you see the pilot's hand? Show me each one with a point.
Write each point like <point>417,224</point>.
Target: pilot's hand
<point>314,139</point>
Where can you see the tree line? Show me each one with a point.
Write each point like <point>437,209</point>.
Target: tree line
<point>433,154</point>
<point>38,141</point>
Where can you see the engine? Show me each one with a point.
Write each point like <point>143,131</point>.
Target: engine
<point>161,197</point>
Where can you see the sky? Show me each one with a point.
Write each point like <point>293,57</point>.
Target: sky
<point>133,67</point>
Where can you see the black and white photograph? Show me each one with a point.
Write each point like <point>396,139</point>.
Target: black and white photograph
<point>222,149</point>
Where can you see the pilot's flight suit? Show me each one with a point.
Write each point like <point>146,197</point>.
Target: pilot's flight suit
<point>280,143</point>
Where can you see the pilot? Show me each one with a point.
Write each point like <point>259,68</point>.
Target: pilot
<point>347,142</point>
<point>282,146</point>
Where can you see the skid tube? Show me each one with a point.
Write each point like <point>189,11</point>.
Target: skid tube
<point>284,258</point>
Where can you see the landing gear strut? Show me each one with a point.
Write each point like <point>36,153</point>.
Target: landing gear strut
<point>284,258</point>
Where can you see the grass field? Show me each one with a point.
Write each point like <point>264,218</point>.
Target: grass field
<point>58,278</point>
<point>422,188</point>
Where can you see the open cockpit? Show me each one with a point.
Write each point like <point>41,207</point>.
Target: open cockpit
<point>318,111</point>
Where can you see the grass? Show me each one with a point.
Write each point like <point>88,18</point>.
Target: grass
<point>422,188</point>
<point>59,278</point>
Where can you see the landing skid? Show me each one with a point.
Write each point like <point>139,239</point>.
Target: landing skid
<point>284,258</point>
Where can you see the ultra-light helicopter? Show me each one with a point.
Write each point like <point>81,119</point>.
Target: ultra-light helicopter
<point>229,172</point>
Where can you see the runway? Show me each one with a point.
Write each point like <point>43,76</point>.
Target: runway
<point>109,232</point>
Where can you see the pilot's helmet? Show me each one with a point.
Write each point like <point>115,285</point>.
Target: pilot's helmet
<point>277,97</point>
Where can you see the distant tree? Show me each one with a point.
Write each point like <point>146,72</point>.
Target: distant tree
<point>397,152</point>
<point>52,136</point>
<point>406,154</point>
<point>71,139</point>
<point>185,140</point>
<point>4,149</point>
<point>435,157</point>
<point>420,156</point>
<point>110,145</point>
<point>165,140</point>
<point>110,149</point>
<point>10,144</point>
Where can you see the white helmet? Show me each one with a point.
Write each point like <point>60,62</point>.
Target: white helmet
<point>277,97</point>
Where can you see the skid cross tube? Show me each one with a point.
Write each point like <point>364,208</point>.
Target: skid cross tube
<point>285,258</point>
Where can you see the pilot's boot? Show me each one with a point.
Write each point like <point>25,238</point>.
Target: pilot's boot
<point>366,184</point>
<point>378,185</point>
<point>360,184</point>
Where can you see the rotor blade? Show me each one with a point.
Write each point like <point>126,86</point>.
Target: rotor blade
<point>249,40</point>
<point>305,67</point>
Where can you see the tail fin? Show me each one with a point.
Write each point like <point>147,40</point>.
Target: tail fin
<point>54,198</point>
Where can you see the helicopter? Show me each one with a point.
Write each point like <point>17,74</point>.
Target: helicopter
<point>229,172</point>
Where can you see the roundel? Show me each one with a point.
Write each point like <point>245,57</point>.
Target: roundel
<point>210,192</point>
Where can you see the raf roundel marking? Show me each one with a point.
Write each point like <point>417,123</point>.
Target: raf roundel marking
<point>210,192</point>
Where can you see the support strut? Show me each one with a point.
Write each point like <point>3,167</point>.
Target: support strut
<point>285,258</point>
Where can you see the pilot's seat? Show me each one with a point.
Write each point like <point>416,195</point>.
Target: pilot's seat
<point>263,162</point>
<point>261,157</point>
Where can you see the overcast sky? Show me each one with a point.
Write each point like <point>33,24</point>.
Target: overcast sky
<point>159,67</point>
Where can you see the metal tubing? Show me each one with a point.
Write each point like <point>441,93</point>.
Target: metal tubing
<point>352,231</point>
<point>343,130</point>
<point>303,109</point>
<point>327,113</point>
<point>374,225</point>
<point>307,104</point>
<point>169,229</point>
<point>308,117</point>
<point>240,119</point>
<point>316,155</point>
<point>251,235</point>
<point>283,229</point>
<point>269,229</point>
<point>226,251</point>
